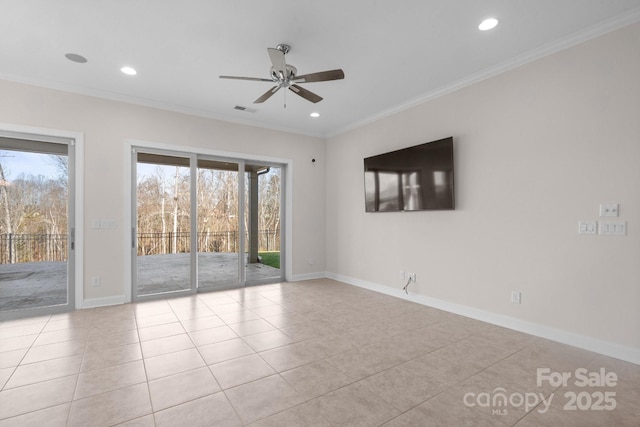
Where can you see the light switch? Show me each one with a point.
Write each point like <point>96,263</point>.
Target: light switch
<point>108,223</point>
<point>587,227</point>
<point>616,228</point>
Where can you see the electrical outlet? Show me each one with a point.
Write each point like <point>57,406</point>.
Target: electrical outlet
<point>609,209</point>
<point>412,277</point>
<point>516,297</point>
<point>95,281</point>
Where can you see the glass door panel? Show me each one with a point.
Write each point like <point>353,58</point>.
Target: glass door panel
<point>263,196</point>
<point>34,224</point>
<point>218,225</point>
<point>163,224</point>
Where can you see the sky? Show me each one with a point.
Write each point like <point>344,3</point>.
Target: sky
<point>17,162</point>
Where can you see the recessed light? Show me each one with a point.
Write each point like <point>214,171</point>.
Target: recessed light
<point>488,24</point>
<point>76,58</point>
<point>315,114</point>
<point>129,71</point>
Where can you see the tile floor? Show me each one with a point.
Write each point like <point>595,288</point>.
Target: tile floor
<point>314,353</point>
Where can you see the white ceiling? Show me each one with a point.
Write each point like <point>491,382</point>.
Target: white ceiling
<point>394,53</point>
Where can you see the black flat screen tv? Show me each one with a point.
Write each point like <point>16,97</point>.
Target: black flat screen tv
<point>418,178</point>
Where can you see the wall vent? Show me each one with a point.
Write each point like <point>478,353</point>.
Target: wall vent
<point>241,108</point>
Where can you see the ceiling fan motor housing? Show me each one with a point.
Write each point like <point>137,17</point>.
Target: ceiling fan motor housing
<point>291,73</point>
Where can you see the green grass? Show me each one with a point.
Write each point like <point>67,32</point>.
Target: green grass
<point>271,259</point>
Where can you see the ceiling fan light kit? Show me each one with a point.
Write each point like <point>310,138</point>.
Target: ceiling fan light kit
<point>285,76</point>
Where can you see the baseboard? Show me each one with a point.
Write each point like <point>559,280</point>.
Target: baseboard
<point>308,276</point>
<point>103,302</point>
<point>607,348</point>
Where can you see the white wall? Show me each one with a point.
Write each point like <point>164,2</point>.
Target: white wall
<point>537,149</point>
<point>107,125</point>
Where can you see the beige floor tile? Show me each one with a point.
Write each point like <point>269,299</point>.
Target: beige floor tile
<point>213,299</point>
<point>33,397</point>
<point>156,320</point>
<point>160,331</point>
<point>228,308</point>
<point>212,335</point>
<point>361,357</point>
<point>112,326</point>
<point>587,418</point>
<point>109,340</point>
<point>271,310</point>
<point>475,352</point>
<point>5,373</point>
<point>20,330</point>
<point>102,380</point>
<point>290,356</point>
<point>213,410</point>
<point>53,351</point>
<point>151,308</point>
<point>61,336</point>
<point>146,421</point>
<point>285,320</point>
<point>172,363</point>
<point>17,343</point>
<point>558,357</point>
<point>355,405</point>
<point>97,359</point>
<point>317,378</point>
<point>257,301</point>
<point>199,323</point>
<point>262,398</point>
<point>444,410</point>
<point>268,340</point>
<point>55,416</point>
<point>166,345</point>
<point>237,316</point>
<point>251,327</point>
<point>10,359</point>
<point>46,370</point>
<point>111,408</point>
<point>68,323</point>
<point>241,370</point>
<point>180,388</point>
<point>225,350</point>
<point>413,382</point>
<point>306,414</point>
<point>189,314</point>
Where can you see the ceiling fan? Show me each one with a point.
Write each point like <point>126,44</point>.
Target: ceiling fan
<point>284,76</point>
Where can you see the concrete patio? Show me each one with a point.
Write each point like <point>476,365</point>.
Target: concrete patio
<point>42,284</point>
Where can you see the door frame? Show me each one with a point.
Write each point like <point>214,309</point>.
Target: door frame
<point>287,206</point>
<point>75,271</point>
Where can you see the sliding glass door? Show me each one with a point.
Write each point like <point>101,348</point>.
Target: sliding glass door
<point>203,223</point>
<point>36,226</point>
<point>162,236</point>
<point>218,225</point>
<point>263,187</point>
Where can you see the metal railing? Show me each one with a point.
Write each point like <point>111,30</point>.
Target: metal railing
<point>213,241</point>
<point>16,248</point>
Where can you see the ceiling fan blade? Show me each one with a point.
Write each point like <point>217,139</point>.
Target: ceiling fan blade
<point>306,94</point>
<point>277,59</point>
<point>255,79</point>
<point>266,95</point>
<point>321,76</point>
